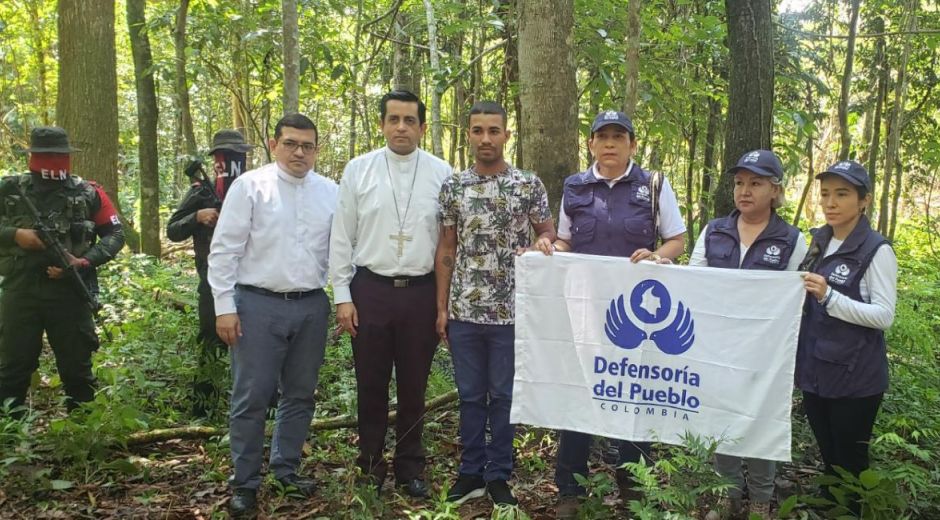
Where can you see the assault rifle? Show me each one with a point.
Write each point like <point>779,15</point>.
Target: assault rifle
<point>59,255</point>
<point>197,173</point>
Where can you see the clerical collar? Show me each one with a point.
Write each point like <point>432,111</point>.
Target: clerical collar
<point>401,158</point>
<point>598,176</point>
<point>285,176</point>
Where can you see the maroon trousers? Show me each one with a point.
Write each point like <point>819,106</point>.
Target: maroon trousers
<point>396,328</point>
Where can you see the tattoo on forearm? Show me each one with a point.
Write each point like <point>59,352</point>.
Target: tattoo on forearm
<point>448,262</point>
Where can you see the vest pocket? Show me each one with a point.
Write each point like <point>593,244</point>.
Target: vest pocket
<point>582,230</point>
<point>836,352</point>
<point>638,226</point>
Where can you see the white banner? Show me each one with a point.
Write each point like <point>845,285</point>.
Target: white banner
<point>648,352</point>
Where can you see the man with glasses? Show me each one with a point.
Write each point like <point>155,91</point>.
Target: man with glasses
<point>267,269</point>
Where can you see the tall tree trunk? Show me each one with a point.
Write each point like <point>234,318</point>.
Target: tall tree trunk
<point>810,147</point>
<point>894,123</point>
<point>39,51</point>
<point>146,127</point>
<point>511,72</point>
<point>709,160</point>
<point>437,132</point>
<point>291,56</point>
<point>692,140</point>
<point>353,90</point>
<point>846,82</point>
<point>632,85</point>
<point>182,84</point>
<point>881,66</point>
<point>549,92</point>
<point>750,102</point>
<point>87,99</point>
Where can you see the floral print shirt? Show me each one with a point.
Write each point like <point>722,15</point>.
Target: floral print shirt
<point>492,215</point>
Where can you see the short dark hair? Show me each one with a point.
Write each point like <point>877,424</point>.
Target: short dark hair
<point>406,97</point>
<point>488,107</point>
<point>298,121</point>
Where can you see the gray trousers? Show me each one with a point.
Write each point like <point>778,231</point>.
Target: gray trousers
<point>281,347</point>
<point>760,476</point>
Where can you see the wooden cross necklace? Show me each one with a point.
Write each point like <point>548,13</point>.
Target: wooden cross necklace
<point>401,237</point>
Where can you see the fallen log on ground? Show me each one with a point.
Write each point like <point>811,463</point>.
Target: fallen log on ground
<point>333,423</point>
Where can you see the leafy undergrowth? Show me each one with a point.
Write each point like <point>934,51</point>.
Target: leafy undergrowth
<point>53,465</point>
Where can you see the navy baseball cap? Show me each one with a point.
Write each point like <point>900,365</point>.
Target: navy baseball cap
<point>851,171</point>
<point>762,162</point>
<point>612,117</point>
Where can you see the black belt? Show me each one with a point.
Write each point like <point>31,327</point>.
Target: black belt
<point>293,295</point>
<point>397,281</point>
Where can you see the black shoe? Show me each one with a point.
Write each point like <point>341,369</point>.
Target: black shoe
<point>414,488</point>
<point>467,487</point>
<point>626,485</point>
<point>304,486</point>
<point>244,503</point>
<point>500,493</point>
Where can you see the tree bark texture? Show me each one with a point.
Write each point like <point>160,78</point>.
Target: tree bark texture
<point>291,56</point>
<point>881,66</point>
<point>437,131</point>
<point>844,134</point>
<point>632,84</point>
<point>750,88</point>
<point>147,128</point>
<point>892,161</point>
<point>182,84</point>
<point>87,99</point>
<point>548,91</point>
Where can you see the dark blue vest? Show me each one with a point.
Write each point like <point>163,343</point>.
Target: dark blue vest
<point>836,358</point>
<point>610,221</point>
<point>771,251</point>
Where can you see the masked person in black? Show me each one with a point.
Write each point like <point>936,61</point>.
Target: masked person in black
<point>38,294</point>
<point>196,217</point>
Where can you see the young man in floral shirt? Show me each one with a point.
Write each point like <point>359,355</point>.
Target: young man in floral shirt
<point>486,215</point>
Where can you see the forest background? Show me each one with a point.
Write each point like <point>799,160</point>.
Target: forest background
<point>141,86</point>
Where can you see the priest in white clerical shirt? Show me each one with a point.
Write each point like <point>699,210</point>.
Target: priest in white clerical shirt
<point>382,245</point>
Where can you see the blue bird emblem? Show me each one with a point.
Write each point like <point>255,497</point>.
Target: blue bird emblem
<point>650,303</point>
<point>620,330</point>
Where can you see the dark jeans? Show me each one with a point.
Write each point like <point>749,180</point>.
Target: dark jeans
<point>573,451</point>
<point>842,428</point>
<point>209,365</point>
<point>396,328</point>
<point>484,367</point>
<point>52,307</point>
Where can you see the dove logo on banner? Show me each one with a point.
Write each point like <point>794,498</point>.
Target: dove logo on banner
<point>650,303</point>
<point>647,352</point>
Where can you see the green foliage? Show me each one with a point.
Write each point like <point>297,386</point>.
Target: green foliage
<point>680,477</point>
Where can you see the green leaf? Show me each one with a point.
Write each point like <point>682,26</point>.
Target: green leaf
<point>787,505</point>
<point>59,485</point>
<point>870,479</point>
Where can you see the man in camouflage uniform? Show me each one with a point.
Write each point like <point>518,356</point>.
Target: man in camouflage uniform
<point>196,217</point>
<point>37,295</point>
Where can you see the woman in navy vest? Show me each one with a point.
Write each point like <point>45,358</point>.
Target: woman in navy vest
<point>841,363</point>
<point>608,210</point>
<point>753,236</point>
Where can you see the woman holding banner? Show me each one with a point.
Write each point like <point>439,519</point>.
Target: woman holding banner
<point>615,208</point>
<point>841,362</point>
<point>753,236</point>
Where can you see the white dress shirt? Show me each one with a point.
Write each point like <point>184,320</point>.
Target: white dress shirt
<point>366,217</point>
<point>273,232</point>
<point>698,254</point>
<point>670,218</point>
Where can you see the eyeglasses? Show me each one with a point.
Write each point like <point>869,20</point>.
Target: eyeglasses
<point>292,146</point>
